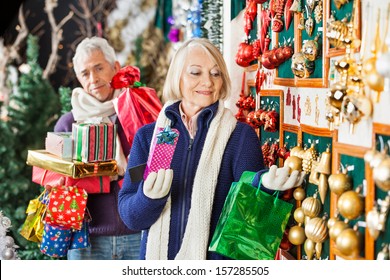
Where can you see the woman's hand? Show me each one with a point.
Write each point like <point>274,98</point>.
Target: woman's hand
<point>280,179</point>
<point>157,185</point>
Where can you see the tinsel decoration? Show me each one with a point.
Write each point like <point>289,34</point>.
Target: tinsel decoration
<point>7,244</point>
<point>212,20</point>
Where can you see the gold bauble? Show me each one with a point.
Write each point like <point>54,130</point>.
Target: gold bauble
<point>311,206</point>
<point>339,183</point>
<point>348,242</point>
<point>299,194</point>
<point>299,216</point>
<point>309,248</point>
<point>350,205</point>
<point>336,94</point>
<point>296,150</point>
<point>331,222</point>
<point>316,229</point>
<point>294,163</point>
<point>296,235</point>
<point>371,76</point>
<point>381,175</point>
<point>336,229</point>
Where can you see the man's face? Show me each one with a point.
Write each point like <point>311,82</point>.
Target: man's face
<point>95,75</point>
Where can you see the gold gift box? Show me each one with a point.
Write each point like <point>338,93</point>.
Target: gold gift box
<point>75,169</point>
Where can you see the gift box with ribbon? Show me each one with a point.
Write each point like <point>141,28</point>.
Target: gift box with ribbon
<point>60,144</point>
<point>66,207</point>
<point>162,149</point>
<point>94,142</point>
<point>93,184</point>
<point>74,169</point>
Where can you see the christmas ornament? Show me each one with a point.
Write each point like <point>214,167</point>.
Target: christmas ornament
<point>348,242</point>
<point>7,244</point>
<point>296,235</point>
<point>311,206</point>
<point>350,204</point>
<point>340,182</point>
<point>336,229</point>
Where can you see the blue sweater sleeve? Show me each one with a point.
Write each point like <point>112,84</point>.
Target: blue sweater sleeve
<point>137,211</point>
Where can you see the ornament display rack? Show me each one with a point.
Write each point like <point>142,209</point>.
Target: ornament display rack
<point>341,154</point>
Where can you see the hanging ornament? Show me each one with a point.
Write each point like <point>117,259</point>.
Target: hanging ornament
<point>294,107</point>
<point>311,49</point>
<point>307,106</point>
<point>288,14</point>
<point>288,97</point>
<point>318,12</point>
<point>317,111</point>
<point>309,22</point>
<point>299,108</point>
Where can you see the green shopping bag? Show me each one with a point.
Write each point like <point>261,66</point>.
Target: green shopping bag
<point>251,224</point>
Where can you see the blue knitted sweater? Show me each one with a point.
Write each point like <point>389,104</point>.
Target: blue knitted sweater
<point>138,212</point>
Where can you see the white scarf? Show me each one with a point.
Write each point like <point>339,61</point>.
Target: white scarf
<point>195,240</point>
<point>86,108</point>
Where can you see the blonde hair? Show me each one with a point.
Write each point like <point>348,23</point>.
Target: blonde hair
<point>171,90</point>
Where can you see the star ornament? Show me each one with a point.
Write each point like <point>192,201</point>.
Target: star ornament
<point>167,136</point>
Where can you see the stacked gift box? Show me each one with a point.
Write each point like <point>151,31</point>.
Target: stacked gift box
<point>85,158</point>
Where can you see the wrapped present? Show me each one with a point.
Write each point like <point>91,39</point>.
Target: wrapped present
<point>32,228</point>
<point>94,184</point>
<point>55,241</point>
<point>74,169</point>
<point>137,104</point>
<point>94,142</point>
<point>66,207</point>
<point>80,238</point>
<point>162,149</point>
<point>60,144</point>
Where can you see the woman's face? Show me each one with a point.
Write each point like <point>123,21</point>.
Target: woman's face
<point>200,82</point>
<point>95,75</point>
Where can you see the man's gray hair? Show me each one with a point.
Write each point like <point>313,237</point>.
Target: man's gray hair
<point>88,45</point>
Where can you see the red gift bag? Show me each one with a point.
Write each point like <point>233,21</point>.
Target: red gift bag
<point>136,105</point>
<point>66,207</point>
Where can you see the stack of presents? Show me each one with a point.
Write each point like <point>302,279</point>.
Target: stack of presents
<point>58,219</point>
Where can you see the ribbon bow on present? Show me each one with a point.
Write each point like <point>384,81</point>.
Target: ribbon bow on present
<point>167,136</point>
<point>126,77</point>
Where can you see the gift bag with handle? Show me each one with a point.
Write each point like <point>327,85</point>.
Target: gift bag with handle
<point>32,228</point>
<point>252,222</point>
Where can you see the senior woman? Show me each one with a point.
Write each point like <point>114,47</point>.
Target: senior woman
<point>178,208</point>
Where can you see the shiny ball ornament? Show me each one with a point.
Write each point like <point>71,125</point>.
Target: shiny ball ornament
<point>294,163</point>
<point>350,205</point>
<point>336,94</point>
<point>7,254</point>
<point>381,175</point>
<point>299,216</point>
<point>348,242</point>
<point>296,235</point>
<point>336,229</point>
<point>311,206</point>
<point>316,229</point>
<point>299,194</point>
<point>383,65</point>
<point>371,77</point>
<point>331,222</point>
<point>296,151</point>
<point>339,183</point>
<point>309,248</point>
<point>310,49</point>
<point>300,66</point>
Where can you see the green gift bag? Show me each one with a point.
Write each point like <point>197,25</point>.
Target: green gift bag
<point>251,224</point>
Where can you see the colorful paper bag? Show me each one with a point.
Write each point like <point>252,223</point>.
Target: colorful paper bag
<point>55,241</point>
<point>94,142</point>
<point>162,149</point>
<point>93,184</point>
<point>32,228</point>
<point>66,207</point>
<point>80,238</point>
<point>251,224</point>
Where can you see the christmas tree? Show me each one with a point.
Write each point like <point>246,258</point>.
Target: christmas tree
<point>34,107</point>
